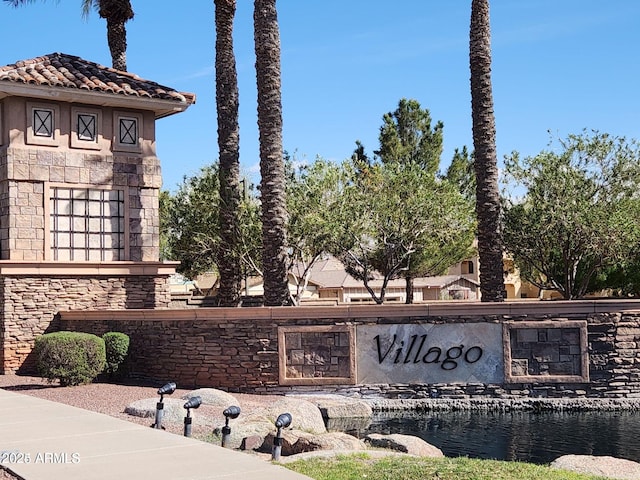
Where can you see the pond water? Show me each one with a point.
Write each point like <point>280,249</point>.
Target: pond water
<point>520,436</point>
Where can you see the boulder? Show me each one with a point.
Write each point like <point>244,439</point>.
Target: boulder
<point>603,466</point>
<point>337,406</point>
<point>214,397</point>
<point>348,425</point>
<point>260,421</point>
<point>247,431</point>
<point>295,442</point>
<point>334,441</point>
<point>305,415</point>
<point>403,443</point>
<point>173,410</point>
<point>254,442</point>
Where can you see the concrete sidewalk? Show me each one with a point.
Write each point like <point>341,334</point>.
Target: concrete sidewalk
<point>61,442</point>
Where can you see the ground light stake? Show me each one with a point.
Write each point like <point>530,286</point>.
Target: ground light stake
<point>193,402</point>
<point>230,412</point>
<point>283,421</point>
<point>166,389</point>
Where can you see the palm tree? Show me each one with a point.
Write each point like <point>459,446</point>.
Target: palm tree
<point>486,163</point>
<point>272,186</point>
<point>117,13</point>
<point>228,144</point>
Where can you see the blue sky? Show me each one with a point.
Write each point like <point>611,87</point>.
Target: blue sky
<point>558,66</point>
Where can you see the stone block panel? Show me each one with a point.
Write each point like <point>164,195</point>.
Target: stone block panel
<point>315,355</point>
<point>549,351</point>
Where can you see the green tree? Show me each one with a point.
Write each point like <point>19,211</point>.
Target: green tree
<point>229,264</point>
<point>249,245</point>
<point>579,214</point>
<point>402,186</point>
<point>406,135</point>
<point>272,185</point>
<point>117,13</point>
<point>165,201</point>
<point>193,229</point>
<point>486,163</point>
<point>450,241</point>
<point>193,225</point>
<point>461,173</point>
<point>316,215</point>
<point>403,223</point>
<point>359,155</point>
<point>620,280</point>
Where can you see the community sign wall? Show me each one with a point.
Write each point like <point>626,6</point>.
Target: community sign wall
<point>578,348</point>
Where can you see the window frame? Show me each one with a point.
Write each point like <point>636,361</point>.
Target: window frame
<point>76,141</point>
<point>118,145</point>
<point>32,138</point>
<point>49,246</point>
<point>467,267</point>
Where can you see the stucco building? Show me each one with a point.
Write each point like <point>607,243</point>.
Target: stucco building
<point>328,281</point>
<point>79,185</point>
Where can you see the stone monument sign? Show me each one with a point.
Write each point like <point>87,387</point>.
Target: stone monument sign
<point>429,353</point>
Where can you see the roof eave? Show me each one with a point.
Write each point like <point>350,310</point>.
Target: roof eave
<point>161,108</point>
<point>470,280</point>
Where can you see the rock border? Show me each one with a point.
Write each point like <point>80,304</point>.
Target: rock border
<point>505,404</point>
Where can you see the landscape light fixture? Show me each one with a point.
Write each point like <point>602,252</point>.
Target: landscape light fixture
<point>229,413</point>
<point>193,402</point>
<point>166,389</point>
<point>283,421</point>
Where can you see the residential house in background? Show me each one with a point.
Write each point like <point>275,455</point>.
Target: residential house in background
<point>329,284</point>
<point>514,285</point>
<point>329,281</point>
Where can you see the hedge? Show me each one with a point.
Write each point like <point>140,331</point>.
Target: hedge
<point>74,358</point>
<point>117,348</point>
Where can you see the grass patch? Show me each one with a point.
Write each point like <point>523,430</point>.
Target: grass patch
<point>362,466</point>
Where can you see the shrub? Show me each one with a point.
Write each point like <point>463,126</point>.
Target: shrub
<point>117,347</point>
<point>73,358</point>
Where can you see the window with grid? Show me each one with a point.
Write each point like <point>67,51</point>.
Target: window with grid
<point>87,224</point>
<point>43,122</point>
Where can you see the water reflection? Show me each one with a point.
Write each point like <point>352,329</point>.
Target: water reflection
<point>531,437</point>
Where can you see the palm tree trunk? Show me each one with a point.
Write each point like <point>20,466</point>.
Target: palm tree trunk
<point>272,186</point>
<point>117,39</point>
<point>229,145</point>
<point>486,163</point>
<point>117,13</point>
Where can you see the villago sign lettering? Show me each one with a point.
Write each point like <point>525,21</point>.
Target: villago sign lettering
<point>430,353</point>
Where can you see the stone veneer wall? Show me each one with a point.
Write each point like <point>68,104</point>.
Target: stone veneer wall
<point>237,349</point>
<point>29,305</point>
<point>24,171</point>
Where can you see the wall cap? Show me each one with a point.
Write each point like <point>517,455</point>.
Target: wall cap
<point>533,309</point>
<point>12,268</point>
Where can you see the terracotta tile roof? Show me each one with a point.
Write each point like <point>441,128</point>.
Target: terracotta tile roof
<point>68,71</point>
